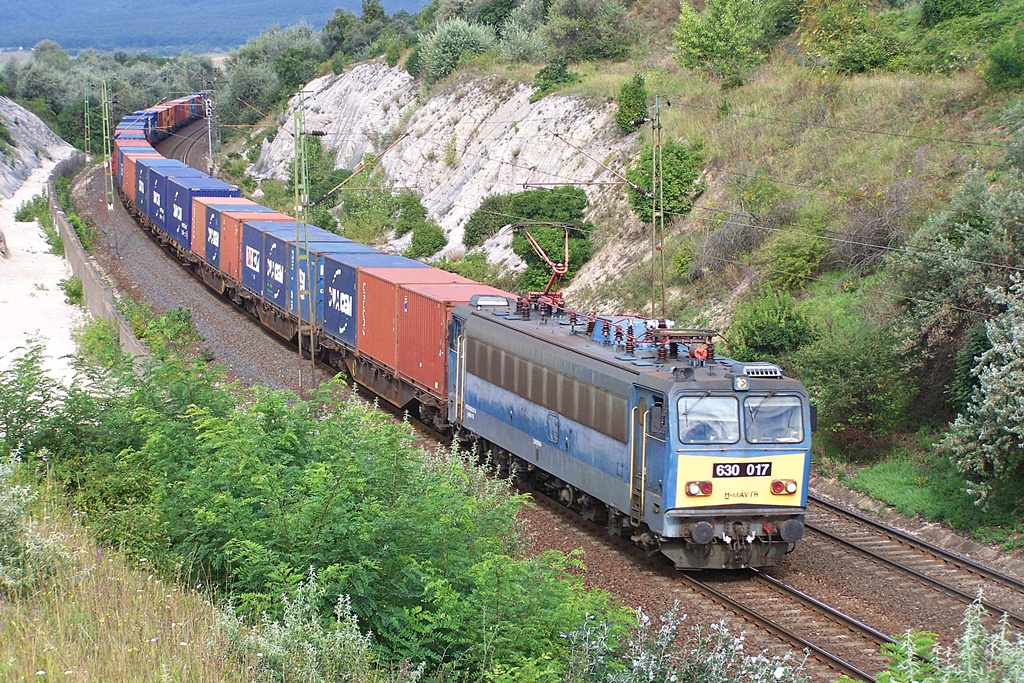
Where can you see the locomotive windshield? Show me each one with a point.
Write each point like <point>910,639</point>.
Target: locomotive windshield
<point>773,419</point>
<point>708,419</point>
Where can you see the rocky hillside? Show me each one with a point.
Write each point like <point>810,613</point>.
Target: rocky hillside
<point>26,145</point>
<point>479,137</point>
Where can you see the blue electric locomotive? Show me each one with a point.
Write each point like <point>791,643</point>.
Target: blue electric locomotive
<point>700,457</point>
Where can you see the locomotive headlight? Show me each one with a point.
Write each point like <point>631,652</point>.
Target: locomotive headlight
<point>783,486</point>
<point>790,487</point>
<point>698,488</point>
<point>693,488</point>
<point>740,383</point>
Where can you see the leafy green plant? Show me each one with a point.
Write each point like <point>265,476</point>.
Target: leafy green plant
<point>936,11</point>
<point>767,326</point>
<point>631,104</point>
<point>475,267</point>
<point>589,29</point>
<point>552,77</point>
<point>846,37</point>
<point>978,655</point>
<point>985,439</point>
<point>427,240</point>
<point>32,209</point>
<point>1005,67</point>
<point>72,288</point>
<point>727,40</point>
<point>26,556</point>
<point>792,259</point>
<point>443,49</point>
<point>681,166</point>
<point>856,374</point>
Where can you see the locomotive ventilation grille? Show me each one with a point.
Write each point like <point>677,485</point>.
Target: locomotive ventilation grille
<point>762,370</point>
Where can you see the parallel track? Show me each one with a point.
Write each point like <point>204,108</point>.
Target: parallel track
<point>837,643</point>
<point>953,576</point>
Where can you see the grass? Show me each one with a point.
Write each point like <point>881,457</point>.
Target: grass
<point>919,484</point>
<point>101,618</point>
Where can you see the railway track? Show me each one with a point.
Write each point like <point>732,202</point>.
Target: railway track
<point>187,145</point>
<point>836,643</point>
<point>927,570</point>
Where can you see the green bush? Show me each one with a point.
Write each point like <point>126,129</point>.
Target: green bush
<point>32,209</point>
<point>427,240</point>
<point>475,267</point>
<point>937,11</point>
<point>443,49</point>
<point>681,166</point>
<point>72,288</point>
<point>631,104</point>
<point>844,36</point>
<point>493,213</point>
<point>589,29</point>
<point>413,63</point>
<point>552,77</point>
<point>767,327</point>
<point>26,556</point>
<point>392,54</point>
<point>726,41</point>
<point>858,378</point>
<point>1005,67</point>
<point>682,259</point>
<point>563,204</point>
<point>793,259</point>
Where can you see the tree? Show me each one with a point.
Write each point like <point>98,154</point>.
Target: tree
<point>987,440</point>
<point>727,40</point>
<point>681,167</point>
<point>334,32</point>
<point>444,48</point>
<point>632,103</point>
<point>589,29</point>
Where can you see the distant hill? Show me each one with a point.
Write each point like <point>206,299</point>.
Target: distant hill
<point>194,25</point>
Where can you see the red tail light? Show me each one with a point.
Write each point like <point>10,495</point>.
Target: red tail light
<point>781,487</point>
<point>705,488</point>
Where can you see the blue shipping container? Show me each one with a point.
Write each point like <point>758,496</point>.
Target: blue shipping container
<point>317,252</point>
<point>180,192</point>
<point>142,185</point>
<point>213,224</point>
<point>254,258</point>
<point>341,306</point>
<point>159,201</point>
<point>143,146</point>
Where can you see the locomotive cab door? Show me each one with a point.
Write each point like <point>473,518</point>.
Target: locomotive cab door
<point>456,370</point>
<point>647,427</point>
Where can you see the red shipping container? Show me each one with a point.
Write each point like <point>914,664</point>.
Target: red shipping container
<point>423,315</point>
<point>231,239</point>
<point>199,205</point>
<point>378,291</point>
<point>128,177</point>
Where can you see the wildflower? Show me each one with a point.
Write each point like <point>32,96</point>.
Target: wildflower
<point>779,673</point>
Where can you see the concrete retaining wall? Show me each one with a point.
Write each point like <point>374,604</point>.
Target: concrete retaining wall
<point>98,297</point>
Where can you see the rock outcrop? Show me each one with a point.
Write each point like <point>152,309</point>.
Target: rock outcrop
<point>477,137</point>
<point>34,143</point>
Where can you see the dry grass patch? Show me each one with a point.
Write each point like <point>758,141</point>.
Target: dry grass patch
<point>98,618</point>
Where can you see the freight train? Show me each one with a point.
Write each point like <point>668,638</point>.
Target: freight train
<point>634,424</point>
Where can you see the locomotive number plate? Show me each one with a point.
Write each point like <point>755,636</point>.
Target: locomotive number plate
<point>728,470</point>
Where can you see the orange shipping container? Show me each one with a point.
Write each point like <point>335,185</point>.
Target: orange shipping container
<point>423,315</point>
<point>128,181</point>
<point>378,291</point>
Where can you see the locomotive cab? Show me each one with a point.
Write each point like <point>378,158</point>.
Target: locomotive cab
<point>737,464</point>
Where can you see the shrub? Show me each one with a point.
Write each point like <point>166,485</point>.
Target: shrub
<point>475,267</point>
<point>985,440</point>
<point>1013,119</point>
<point>392,54</point>
<point>631,103</point>
<point>858,378</point>
<point>443,49</point>
<point>768,326</point>
<point>682,166</point>
<point>736,235</point>
<point>32,209</point>
<point>72,288</point>
<point>978,655</point>
<point>846,37</point>
<point>552,77</point>
<point>413,63</point>
<point>589,29</point>
<point>727,40</point>
<point>427,240</point>
<point>682,259</point>
<point>937,11</point>
<point>792,259</point>
<point>1005,67</point>
<point>562,204</point>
